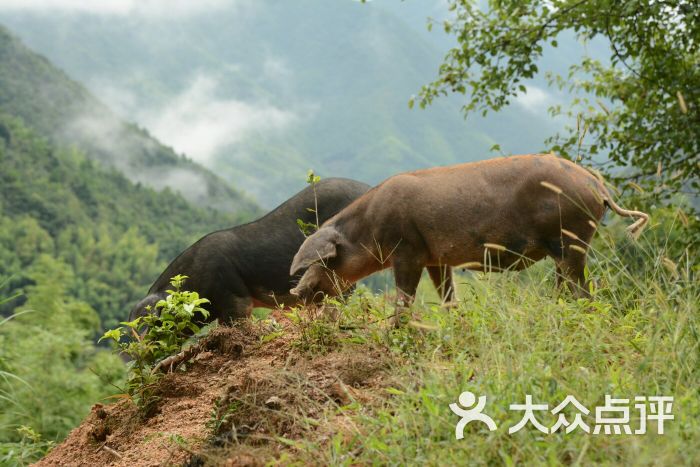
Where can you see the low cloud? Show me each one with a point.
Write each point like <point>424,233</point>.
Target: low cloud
<point>148,8</point>
<point>99,130</point>
<point>113,144</point>
<point>199,123</point>
<point>188,183</point>
<point>277,69</point>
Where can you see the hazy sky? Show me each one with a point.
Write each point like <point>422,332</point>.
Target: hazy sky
<point>156,8</point>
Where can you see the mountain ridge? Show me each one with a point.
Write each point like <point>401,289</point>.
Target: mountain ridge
<point>46,99</point>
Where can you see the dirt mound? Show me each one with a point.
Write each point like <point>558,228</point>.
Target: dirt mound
<point>242,400</point>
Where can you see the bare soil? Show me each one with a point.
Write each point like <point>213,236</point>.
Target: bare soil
<point>241,401</point>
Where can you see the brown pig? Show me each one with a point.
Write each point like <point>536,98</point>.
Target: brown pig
<point>494,215</point>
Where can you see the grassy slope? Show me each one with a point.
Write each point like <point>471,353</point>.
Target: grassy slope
<point>504,344</point>
<point>510,337</point>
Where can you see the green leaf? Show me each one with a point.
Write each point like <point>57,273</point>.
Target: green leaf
<point>114,334</point>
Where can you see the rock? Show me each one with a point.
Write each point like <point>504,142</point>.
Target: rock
<point>274,403</point>
<point>203,356</point>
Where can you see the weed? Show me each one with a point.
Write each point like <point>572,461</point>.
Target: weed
<point>220,420</point>
<point>30,448</point>
<point>307,228</point>
<point>318,331</point>
<point>156,336</point>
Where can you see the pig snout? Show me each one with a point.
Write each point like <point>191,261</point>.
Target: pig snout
<point>301,291</point>
<point>303,294</point>
<point>313,285</point>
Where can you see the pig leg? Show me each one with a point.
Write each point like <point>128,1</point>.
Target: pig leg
<point>570,272</point>
<point>407,276</point>
<point>442,279</point>
<point>235,307</point>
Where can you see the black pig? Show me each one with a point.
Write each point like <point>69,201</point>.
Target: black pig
<point>248,265</point>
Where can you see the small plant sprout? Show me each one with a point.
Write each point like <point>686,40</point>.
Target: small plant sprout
<point>307,228</point>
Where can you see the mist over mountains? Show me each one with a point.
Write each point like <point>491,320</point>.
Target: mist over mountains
<point>260,92</point>
<point>63,111</point>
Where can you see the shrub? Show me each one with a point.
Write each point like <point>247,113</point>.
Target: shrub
<point>156,336</point>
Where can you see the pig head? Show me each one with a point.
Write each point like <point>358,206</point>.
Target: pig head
<point>314,258</point>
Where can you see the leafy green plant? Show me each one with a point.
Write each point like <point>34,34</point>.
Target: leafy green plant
<point>307,228</point>
<point>221,413</point>
<point>27,450</point>
<point>156,336</point>
<point>271,329</point>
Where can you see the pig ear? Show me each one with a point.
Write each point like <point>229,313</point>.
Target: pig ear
<point>319,246</point>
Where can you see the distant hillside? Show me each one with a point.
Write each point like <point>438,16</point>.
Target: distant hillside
<point>59,108</point>
<point>273,88</point>
<point>110,236</point>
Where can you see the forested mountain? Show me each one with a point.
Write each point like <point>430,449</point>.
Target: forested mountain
<point>262,91</point>
<point>113,237</point>
<point>79,244</point>
<point>81,239</point>
<point>68,167</point>
<point>62,110</point>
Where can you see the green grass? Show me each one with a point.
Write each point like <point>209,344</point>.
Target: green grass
<point>512,335</point>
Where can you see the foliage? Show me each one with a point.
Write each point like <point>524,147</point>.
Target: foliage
<point>30,448</point>
<point>317,330</point>
<point>113,235</point>
<point>156,336</point>
<point>641,108</point>
<point>220,418</point>
<point>51,372</point>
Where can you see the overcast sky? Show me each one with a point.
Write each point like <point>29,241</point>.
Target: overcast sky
<point>157,8</point>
